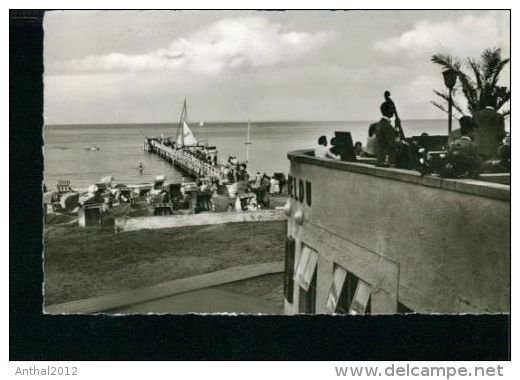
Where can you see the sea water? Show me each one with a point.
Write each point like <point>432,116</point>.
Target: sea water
<point>121,147</point>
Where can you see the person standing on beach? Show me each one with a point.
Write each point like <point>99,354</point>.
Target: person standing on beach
<point>258,179</point>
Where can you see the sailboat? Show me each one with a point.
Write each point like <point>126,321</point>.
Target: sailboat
<point>185,136</point>
<point>192,155</point>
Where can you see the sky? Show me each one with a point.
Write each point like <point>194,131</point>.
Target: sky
<point>139,66</point>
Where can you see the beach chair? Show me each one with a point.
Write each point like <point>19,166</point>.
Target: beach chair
<point>63,186</point>
<point>162,209</point>
<point>90,215</point>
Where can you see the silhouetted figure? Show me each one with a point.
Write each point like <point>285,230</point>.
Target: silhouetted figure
<point>463,157</point>
<point>386,137</point>
<point>490,131</point>
<point>398,128</point>
<point>464,122</point>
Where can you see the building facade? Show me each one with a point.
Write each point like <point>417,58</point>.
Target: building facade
<point>369,240</point>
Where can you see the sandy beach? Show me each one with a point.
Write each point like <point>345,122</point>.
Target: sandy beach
<point>82,263</point>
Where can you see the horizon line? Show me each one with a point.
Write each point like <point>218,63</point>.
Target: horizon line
<point>228,122</point>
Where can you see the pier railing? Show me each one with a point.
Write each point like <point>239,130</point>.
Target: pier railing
<point>184,161</point>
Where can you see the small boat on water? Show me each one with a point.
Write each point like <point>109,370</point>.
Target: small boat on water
<point>92,148</point>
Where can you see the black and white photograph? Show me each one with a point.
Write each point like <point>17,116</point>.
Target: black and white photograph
<point>276,162</point>
<point>315,185</point>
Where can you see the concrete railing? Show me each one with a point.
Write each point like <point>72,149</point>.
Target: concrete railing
<point>477,187</point>
<point>173,221</point>
<point>443,243</point>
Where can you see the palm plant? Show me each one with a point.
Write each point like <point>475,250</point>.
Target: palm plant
<point>478,84</point>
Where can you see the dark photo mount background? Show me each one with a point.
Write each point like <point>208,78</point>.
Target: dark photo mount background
<point>34,336</point>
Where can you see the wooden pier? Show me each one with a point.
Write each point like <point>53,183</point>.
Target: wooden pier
<point>181,159</point>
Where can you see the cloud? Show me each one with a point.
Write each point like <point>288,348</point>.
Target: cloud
<point>226,44</point>
<point>468,35</point>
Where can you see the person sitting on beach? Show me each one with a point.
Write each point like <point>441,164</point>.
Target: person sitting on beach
<point>332,152</point>
<point>321,149</point>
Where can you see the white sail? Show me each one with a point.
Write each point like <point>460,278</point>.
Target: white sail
<point>187,137</point>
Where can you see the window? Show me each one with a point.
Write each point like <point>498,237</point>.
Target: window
<point>308,193</point>
<point>338,280</point>
<point>307,301</point>
<point>288,285</point>
<point>361,298</point>
<point>305,277</point>
<point>348,293</point>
